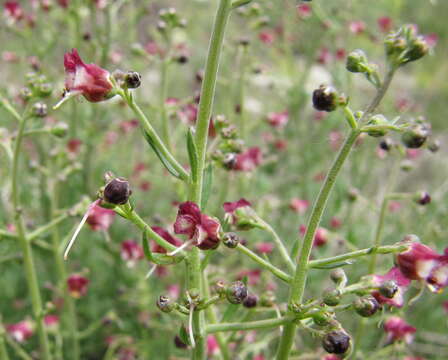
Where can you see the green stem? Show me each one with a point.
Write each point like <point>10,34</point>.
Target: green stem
<point>155,137</point>
<point>28,261</point>
<point>3,351</point>
<point>251,325</point>
<point>376,249</point>
<point>267,265</point>
<point>163,94</point>
<point>41,230</point>
<point>378,234</point>
<point>20,352</point>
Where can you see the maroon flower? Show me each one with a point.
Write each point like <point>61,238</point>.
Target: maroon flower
<point>264,247</point>
<point>87,79</point>
<point>167,236</point>
<point>304,11</point>
<point>253,276</point>
<point>399,279</point>
<point>384,23</point>
<point>51,322</point>
<point>267,37</point>
<point>100,218</point>
<point>324,56</point>
<point>240,214</point>
<point>357,27</point>
<point>320,237</point>
<point>397,329</point>
<point>278,120</point>
<point>77,285</point>
<point>13,11</point>
<point>64,3</point>
<point>203,230</point>
<point>131,252</point>
<point>248,160</point>
<point>20,331</point>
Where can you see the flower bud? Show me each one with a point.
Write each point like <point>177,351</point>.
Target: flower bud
<point>366,306</point>
<point>325,98</point>
<point>44,90</point>
<point>422,198</point>
<point>388,289</point>
<point>386,144</point>
<point>231,240</point>
<point>250,301</point>
<point>40,109</point>
<point>353,194</point>
<point>417,49</point>
<point>377,120</point>
<point>117,191</point>
<point>331,297</point>
<point>236,292</point>
<point>321,318</point>
<point>267,299</point>
<point>132,79</point>
<point>178,343</point>
<point>434,146</point>
<point>356,61</point>
<point>415,136</point>
<point>229,161</point>
<point>26,94</point>
<point>165,304</point>
<point>338,276</point>
<point>59,130</point>
<point>336,342</point>
<point>220,288</point>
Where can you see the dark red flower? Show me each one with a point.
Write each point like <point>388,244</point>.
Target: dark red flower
<point>248,160</point>
<point>100,218</point>
<point>397,329</point>
<point>77,285</point>
<point>304,11</point>
<point>267,37</point>
<point>385,24</point>
<point>202,229</point>
<point>418,262</point>
<point>320,237</point>
<point>167,236</point>
<point>13,11</point>
<point>89,80</point>
<point>51,322</point>
<point>20,331</point>
<point>64,3</point>
<point>399,279</point>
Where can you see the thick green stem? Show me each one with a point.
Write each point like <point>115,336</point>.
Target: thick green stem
<point>299,280</point>
<point>3,351</point>
<point>163,94</point>
<point>28,261</point>
<point>378,234</point>
<point>250,325</point>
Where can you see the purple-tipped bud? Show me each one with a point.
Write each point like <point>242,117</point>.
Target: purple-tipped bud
<point>422,198</point>
<point>325,98</point>
<point>250,301</point>
<point>331,297</point>
<point>416,135</point>
<point>236,292</point>
<point>165,304</point>
<point>336,342</point>
<point>132,79</point>
<point>117,191</point>
<point>40,109</point>
<point>231,240</point>
<point>366,306</point>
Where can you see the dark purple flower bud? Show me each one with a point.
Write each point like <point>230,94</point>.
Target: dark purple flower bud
<point>231,240</point>
<point>250,301</point>
<point>336,342</point>
<point>434,146</point>
<point>422,198</point>
<point>388,289</point>
<point>391,287</point>
<point>415,136</point>
<point>386,144</point>
<point>366,306</point>
<point>40,109</point>
<point>325,98</point>
<point>338,276</point>
<point>179,343</point>
<point>236,292</point>
<point>117,191</point>
<point>132,79</point>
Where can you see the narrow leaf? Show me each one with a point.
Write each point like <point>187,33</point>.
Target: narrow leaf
<point>334,265</point>
<point>161,157</point>
<point>192,155</point>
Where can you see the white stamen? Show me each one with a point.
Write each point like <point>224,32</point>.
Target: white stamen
<point>66,97</point>
<point>151,271</point>
<point>78,229</point>
<point>180,248</point>
<point>190,326</point>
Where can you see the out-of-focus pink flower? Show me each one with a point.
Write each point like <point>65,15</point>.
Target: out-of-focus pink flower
<point>64,3</point>
<point>399,279</point>
<point>331,357</point>
<point>253,276</point>
<point>20,331</point>
<point>116,57</point>
<point>266,37</point>
<point>188,114</point>
<point>357,27</point>
<point>13,11</point>
<point>165,235</point>
<point>131,252</point>
<point>89,80</point>
<point>397,330</point>
<point>304,11</point>
<point>324,56</point>
<point>259,357</point>
<point>335,222</point>
<point>173,291</point>
<point>201,228</point>
<point>73,145</point>
<point>111,137</point>
<point>51,322</point>
<point>413,153</point>
<point>402,104</point>
<point>340,54</point>
<point>413,358</point>
<point>264,247</point>
<point>249,160</point>
<point>100,218</point>
<point>152,48</point>
<point>320,238</point>
<point>10,57</point>
<point>318,116</point>
<point>394,206</point>
<point>300,206</point>
<point>335,138</point>
<point>127,353</point>
<point>128,125</point>
<point>384,24</point>
<point>77,285</point>
<point>145,186</point>
<point>281,144</point>
<point>212,345</point>
<point>431,40</point>
<point>278,120</point>
<point>139,168</point>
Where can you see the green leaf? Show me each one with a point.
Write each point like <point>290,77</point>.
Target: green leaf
<point>207,186</point>
<point>183,334</point>
<point>192,155</point>
<point>161,157</point>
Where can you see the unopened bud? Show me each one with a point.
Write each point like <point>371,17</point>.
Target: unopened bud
<point>331,297</point>
<point>236,292</point>
<point>133,79</point>
<point>434,146</point>
<point>417,49</point>
<point>336,342</point>
<point>356,61</point>
<point>267,299</point>
<point>231,240</point>
<point>338,276</point>
<point>377,120</point>
<point>422,198</point>
<point>40,109</point>
<point>325,98</point>
<point>250,301</point>
<point>117,191</point>
<point>59,130</point>
<point>388,289</point>
<point>366,306</point>
<point>415,136</point>
<point>321,318</point>
<point>386,144</point>
<point>165,304</point>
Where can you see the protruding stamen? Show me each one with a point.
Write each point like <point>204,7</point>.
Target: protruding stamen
<point>151,271</point>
